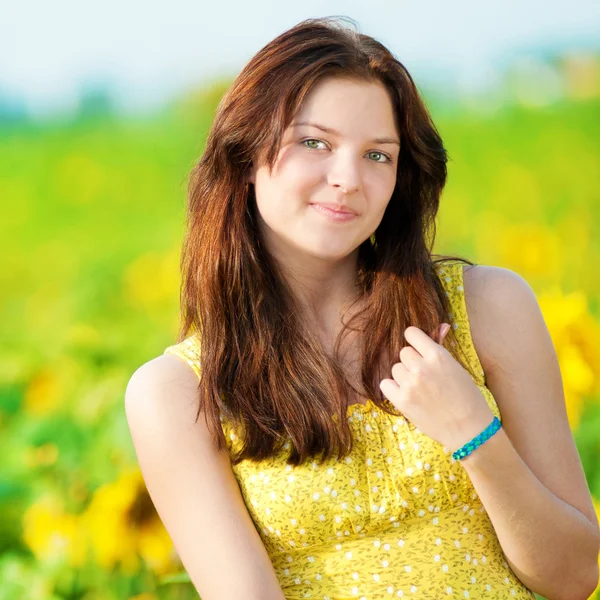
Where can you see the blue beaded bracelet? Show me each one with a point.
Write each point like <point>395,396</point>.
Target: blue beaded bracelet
<point>485,435</point>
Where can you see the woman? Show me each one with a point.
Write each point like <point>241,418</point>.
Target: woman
<point>351,444</point>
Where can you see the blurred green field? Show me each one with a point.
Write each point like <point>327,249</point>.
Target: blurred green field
<point>92,226</point>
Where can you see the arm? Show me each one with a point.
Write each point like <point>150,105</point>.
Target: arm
<point>528,475</point>
<point>193,486</point>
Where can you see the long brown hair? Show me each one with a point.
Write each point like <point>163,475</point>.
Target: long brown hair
<point>259,367</point>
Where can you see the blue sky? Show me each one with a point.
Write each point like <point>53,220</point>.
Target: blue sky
<point>150,50</point>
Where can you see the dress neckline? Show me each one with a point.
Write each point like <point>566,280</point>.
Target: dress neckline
<point>367,406</point>
<point>361,405</point>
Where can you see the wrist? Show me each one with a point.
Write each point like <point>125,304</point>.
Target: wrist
<point>485,458</point>
<point>479,435</point>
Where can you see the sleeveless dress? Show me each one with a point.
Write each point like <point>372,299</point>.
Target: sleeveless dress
<point>398,517</point>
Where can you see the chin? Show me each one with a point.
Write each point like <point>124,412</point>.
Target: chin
<point>335,254</point>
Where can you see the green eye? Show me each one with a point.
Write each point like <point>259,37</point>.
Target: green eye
<point>388,158</point>
<point>312,140</point>
<point>381,154</point>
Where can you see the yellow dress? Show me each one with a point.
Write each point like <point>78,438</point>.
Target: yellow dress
<point>397,518</point>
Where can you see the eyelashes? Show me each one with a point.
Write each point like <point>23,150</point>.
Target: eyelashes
<point>387,156</point>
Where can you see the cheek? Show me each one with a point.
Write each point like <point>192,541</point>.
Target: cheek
<point>380,190</point>
<point>298,181</point>
<point>286,195</point>
<point>384,182</point>
<point>276,205</point>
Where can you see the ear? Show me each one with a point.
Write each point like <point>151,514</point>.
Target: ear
<point>251,175</point>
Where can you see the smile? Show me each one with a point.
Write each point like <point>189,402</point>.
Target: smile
<point>336,216</point>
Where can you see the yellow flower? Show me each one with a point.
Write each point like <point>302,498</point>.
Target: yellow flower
<point>43,394</point>
<point>53,535</point>
<point>123,525</point>
<point>119,527</point>
<point>573,331</point>
<point>531,249</point>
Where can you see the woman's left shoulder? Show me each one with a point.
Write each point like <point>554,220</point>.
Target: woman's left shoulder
<point>502,309</point>
<point>523,374</point>
<point>497,285</point>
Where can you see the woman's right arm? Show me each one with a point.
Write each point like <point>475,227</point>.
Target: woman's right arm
<point>193,487</point>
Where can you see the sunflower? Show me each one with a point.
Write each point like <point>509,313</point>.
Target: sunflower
<point>123,526</point>
<point>573,331</point>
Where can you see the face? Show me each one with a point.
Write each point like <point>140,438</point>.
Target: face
<point>341,149</point>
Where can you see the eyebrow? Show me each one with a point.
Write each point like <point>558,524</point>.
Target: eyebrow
<point>379,140</point>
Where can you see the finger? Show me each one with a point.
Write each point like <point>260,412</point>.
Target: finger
<point>423,343</point>
<point>444,329</point>
<point>399,372</point>
<point>389,388</point>
<point>410,358</point>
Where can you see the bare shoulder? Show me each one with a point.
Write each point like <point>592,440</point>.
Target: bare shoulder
<point>192,485</point>
<point>161,384</point>
<point>497,299</point>
<point>165,366</point>
<point>161,407</point>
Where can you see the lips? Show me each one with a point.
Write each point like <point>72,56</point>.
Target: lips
<point>336,208</point>
<point>334,216</point>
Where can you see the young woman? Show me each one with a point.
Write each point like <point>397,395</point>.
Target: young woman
<point>363,434</point>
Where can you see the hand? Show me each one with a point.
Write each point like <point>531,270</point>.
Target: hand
<point>432,389</point>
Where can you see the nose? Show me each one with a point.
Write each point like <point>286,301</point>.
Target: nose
<point>345,174</point>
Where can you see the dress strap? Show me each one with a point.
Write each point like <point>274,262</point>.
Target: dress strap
<point>451,275</point>
<point>189,351</point>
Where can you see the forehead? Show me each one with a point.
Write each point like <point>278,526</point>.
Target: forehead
<point>347,105</point>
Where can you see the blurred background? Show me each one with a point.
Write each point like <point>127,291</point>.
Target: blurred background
<point>104,108</point>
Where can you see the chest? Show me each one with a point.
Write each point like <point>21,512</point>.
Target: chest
<point>394,472</point>
<point>351,361</point>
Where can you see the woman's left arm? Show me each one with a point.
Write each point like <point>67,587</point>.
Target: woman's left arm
<point>529,475</point>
